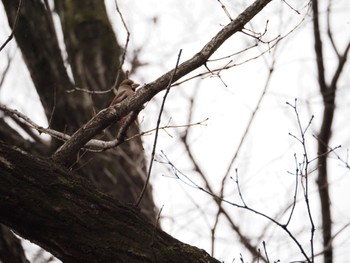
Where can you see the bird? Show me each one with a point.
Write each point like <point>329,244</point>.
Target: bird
<point>126,89</point>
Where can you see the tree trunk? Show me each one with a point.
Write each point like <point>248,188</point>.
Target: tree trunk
<point>80,223</point>
<point>83,212</point>
<point>93,54</point>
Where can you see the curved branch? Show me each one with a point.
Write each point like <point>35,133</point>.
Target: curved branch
<point>13,26</point>
<point>65,154</point>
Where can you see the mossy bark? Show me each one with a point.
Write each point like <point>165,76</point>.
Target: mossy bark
<point>64,213</point>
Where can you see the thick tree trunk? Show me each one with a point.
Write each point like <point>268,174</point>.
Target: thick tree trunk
<point>80,223</point>
<point>61,210</point>
<point>93,54</point>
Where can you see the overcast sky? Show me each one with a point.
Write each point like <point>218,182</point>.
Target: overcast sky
<point>160,29</point>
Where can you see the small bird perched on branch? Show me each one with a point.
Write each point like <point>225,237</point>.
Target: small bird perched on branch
<point>126,89</point>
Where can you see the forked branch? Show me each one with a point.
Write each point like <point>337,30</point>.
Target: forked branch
<point>65,154</point>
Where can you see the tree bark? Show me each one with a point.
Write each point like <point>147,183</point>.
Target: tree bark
<point>328,92</point>
<point>57,207</point>
<point>66,215</point>
<point>10,247</point>
<point>93,54</point>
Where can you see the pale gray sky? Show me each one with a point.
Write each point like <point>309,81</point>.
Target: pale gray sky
<point>161,29</point>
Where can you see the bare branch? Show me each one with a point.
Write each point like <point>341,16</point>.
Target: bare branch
<point>318,48</point>
<point>13,27</point>
<point>225,10</point>
<point>157,131</point>
<point>93,145</point>
<point>239,189</point>
<point>244,239</point>
<point>6,70</point>
<point>339,69</point>
<point>126,44</point>
<point>329,30</point>
<point>65,154</point>
<point>221,209</point>
<point>296,11</point>
<point>266,255</point>
<point>228,171</point>
<point>188,181</point>
<point>89,91</point>
<point>16,115</point>
<point>295,190</point>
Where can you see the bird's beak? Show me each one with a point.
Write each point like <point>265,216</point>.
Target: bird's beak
<point>134,86</point>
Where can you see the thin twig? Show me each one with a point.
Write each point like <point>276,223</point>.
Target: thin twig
<point>93,145</point>
<point>53,106</point>
<point>89,91</point>
<point>239,189</point>
<point>67,152</point>
<point>266,255</point>
<point>304,172</point>
<point>6,70</point>
<point>13,27</point>
<point>295,190</point>
<point>27,129</point>
<point>230,64</point>
<point>213,231</point>
<point>329,30</point>
<point>16,114</point>
<point>258,36</point>
<point>345,162</point>
<point>188,181</point>
<point>157,131</point>
<point>125,47</point>
<point>250,122</point>
<point>296,11</point>
<point>225,10</point>
<point>234,54</point>
<point>221,210</point>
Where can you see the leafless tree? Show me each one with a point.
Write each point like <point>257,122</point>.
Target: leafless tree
<point>85,193</point>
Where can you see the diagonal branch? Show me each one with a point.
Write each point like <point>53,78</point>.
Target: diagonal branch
<point>137,203</point>
<point>318,48</point>
<point>93,145</point>
<point>329,30</point>
<point>13,27</point>
<point>65,154</point>
<point>339,69</point>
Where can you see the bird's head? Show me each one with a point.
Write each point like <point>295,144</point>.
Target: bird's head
<point>129,83</point>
